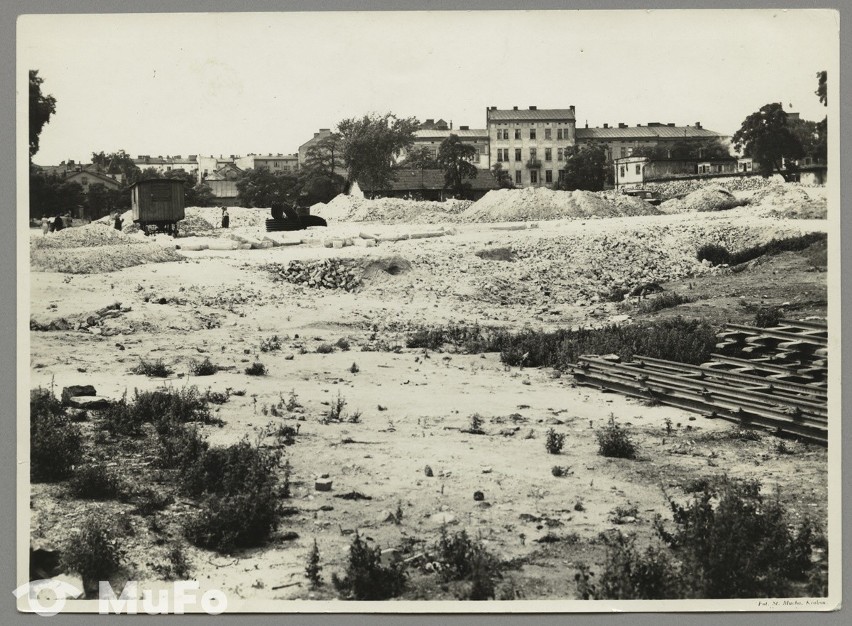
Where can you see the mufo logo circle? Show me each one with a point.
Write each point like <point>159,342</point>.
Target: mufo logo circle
<point>47,597</point>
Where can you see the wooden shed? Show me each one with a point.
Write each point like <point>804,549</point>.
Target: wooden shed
<point>158,202</point>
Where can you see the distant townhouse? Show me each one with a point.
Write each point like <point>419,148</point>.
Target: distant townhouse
<point>275,163</point>
<point>620,141</point>
<point>164,164</point>
<point>88,176</point>
<point>530,144</point>
<point>431,139</point>
<point>635,171</point>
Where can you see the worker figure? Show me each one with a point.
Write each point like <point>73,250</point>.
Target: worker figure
<point>118,221</point>
<point>226,219</point>
<point>45,224</point>
<point>58,224</point>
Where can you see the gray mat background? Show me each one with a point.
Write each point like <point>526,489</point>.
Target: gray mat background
<point>10,9</point>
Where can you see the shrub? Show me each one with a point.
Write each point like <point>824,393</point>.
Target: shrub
<point>476,422</point>
<point>354,369</point>
<point>241,497</point>
<point>148,501</point>
<point>665,300</point>
<point>256,369</point>
<point>366,578</point>
<point>203,368</point>
<point>153,369</point>
<point>777,246</point>
<point>554,442</point>
<point>95,481</point>
<point>94,552</point>
<point>335,411</point>
<point>181,405</point>
<point>462,558</point>
<point>613,441</point>
<point>558,471</point>
<point>766,317</point>
<point>181,446</point>
<point>269,344</point>
<point>325,348</point>
<point>714,254</point>
<point>629,574</point>
<point>434,338</point>
<point>744,547</point>
<point>176,566</point>
<point>342,343</point>
<point>55,441</point>
<point>313,568</point>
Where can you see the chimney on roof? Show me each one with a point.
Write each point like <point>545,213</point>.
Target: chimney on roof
<point>532,108</point>
<point>697,124</point>
<point>606,125</point>
<point>654,124</point>
<point>514,108</point>
<point>464,127</point>
<point>587,123</point>
<point>493,108</point>
<point>572,108</point>
<point>670,124</point>
<point>622,125</point>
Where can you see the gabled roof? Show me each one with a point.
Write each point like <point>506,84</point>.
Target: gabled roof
<point>443,134</point>
<point>500,115</point>
<point>647,132</point>
<point>94,174</point>
<point>222,172</point>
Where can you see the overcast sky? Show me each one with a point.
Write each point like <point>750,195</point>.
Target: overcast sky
<point>265,82</point>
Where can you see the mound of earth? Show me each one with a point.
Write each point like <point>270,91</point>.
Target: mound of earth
<point>715,198</point>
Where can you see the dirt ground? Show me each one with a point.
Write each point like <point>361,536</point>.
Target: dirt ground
<point>414,404</point>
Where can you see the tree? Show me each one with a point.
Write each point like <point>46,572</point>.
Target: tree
<point>419,158</point>
<point>98,200</point>
<point>822,91</point>
<point>585,168</point>
<point>503,178</point>
<point>371,144</point>
<point>117,163</point>
<point>316,187</point>
<point>41,108</point>
<point>811,136</point>
<point>260,187</point>
<point>767,136</point>
<point>325,155</point>
<point>194,194</point>
<point>454,157</point>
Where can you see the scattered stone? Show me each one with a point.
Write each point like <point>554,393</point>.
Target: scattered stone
<point>353,495</point>
<point>444,518</point>
<point>386,517</point>
<point>428,471</point>
<point>478,496</point>
<point>323,484</point>
<point>72,391</point>
<point>89,402</point>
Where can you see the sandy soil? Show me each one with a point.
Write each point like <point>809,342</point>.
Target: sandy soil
<point>414,403</point>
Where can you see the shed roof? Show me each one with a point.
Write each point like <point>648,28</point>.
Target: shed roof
<point>479,133</point>
<point>142,183</point>
<point>498,115</point>
<point>647,132</point>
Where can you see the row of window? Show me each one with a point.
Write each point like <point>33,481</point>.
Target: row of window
<point>503,154</point>
<point>561,133</point>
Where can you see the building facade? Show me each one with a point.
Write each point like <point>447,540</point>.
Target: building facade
<point>620,141</point>
<point>275,163</point>
<point>431,139</point>
<point>530,144</point>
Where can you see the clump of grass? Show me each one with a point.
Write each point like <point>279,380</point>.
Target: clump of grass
<point>203,368</point>
<point>125,417</point>
<point>366,578</point>
<point>342,343</point>
<point>336,410</point>
<point>434,338</point>
<point>554,442</point>
<point>95,551</point>
<point>153,369</point>
<point>56,444</point>
<point>613,441</point>
<point>256,369</point>
<point>354,369</point>
<point>665,300</point>
<point>559,471</point>
<point>475,424</point>
<point>767,317</point>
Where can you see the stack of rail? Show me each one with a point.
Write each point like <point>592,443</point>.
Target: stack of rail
<point>772,378</point>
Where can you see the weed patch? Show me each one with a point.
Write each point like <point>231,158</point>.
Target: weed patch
<point>554,442</point>
<point>203,368</point>
<point>256,369</point>
<point>153,369</point>
<point>56,443</point>
<point>95,551</point>
<point>366,578</point>
<point>613,441</point>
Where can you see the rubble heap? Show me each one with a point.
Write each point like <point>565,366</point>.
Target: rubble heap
<point>90,235</point>
<point>712,198</point>
<point>320,273</point>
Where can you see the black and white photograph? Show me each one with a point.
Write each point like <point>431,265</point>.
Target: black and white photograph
<point>428,311</point>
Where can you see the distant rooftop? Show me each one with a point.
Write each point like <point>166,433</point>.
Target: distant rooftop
<point>531,113</point>
<point>651,131</point>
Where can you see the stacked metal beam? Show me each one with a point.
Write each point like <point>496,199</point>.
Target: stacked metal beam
<point>779,385</point>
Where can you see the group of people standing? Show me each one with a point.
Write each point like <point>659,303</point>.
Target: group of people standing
<point>50,225</point>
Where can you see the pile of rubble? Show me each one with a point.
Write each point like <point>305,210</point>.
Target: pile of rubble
<point>98,260</point>
<point>320,273</point>
<point>90,235</point>
<point>711,198</point>
<point>791,201</point>
<point>91,322</point>
<point>679,188</point>
<point>539,203</point>
<point>351,208</point>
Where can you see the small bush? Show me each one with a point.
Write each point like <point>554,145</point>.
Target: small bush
<point>269,344</point>
<point>153,369</point>
<point>714,254</point>
<point>354,369</point>
<point>95,481</point>
<point>336,410</point>
<point>462,558</point>
<point>325,348</point>
<point>554,442</point>
<point>366,578</point>
<point>180,446</point>
<point>94,552</point>
<point>558,471</point>
<point>176,566</point>
<point>613,441</point>
<point>432,338</point>
<point>161,405</point>
<point>342,343</point>
<point>666,300</point>
<point>476,422</point>
<point>313,568</point>
<point>56,443</point>
<point>148,501</point>
<point>767,317</point>
<point>256,369</point>
<point>203,368</point>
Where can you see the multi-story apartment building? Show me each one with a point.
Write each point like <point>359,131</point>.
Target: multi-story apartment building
<point>431,139</point>
<point>530,144</point>
<point>275,163</point>
<point>620,141</point>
